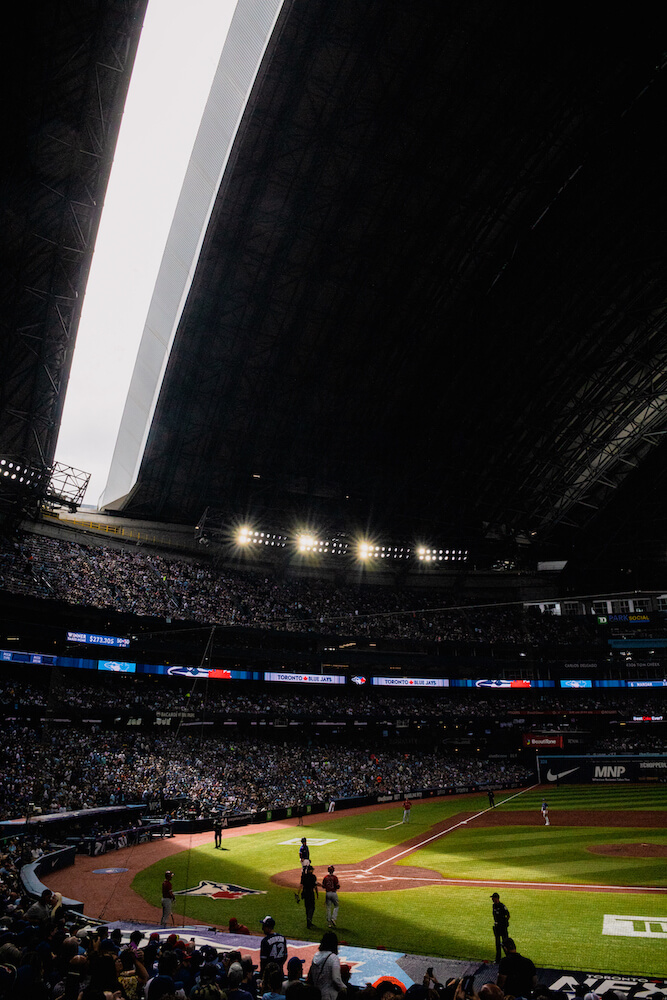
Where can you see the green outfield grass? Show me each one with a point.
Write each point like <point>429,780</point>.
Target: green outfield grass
<point>606,797</point>
<point>555,928</point>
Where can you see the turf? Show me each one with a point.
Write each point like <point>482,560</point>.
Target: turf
<point>544,854</point>
<point>556,928</point>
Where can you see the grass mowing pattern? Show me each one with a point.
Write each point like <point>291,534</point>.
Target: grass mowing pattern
<point>555,928</point>
<point>605,797</point>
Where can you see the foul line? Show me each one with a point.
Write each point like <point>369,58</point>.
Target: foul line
<point>436,836</point>
<point>473,883</point>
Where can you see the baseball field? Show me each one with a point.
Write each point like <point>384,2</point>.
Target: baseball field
<point>588,892</point>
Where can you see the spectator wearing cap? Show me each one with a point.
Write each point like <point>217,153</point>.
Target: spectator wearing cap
<point>207,988</point>
<point>167,900</point>
<point>249,983</point>
<point>151,951</point>
<point>345,974</point>
<point>235,990</point>
<point>236,928</point>
<point>273,947</point>
<point>516,974</point>
<point>164,983</point>
<point>294,972</point>
<point>387,988</point>
<point>40,911</point>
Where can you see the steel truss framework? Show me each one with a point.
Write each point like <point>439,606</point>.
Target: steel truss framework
<point>67,71</point>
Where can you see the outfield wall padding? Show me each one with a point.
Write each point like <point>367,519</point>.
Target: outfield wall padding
<point>601,769</point>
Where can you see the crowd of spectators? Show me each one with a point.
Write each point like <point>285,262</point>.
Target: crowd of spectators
<point>146,582</point>
<point>45,954</point>
<point>62,770</point>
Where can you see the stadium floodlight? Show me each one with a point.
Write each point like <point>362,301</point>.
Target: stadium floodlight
<point>364,550</point>
<point>306,543</point>
<point>243,536</point>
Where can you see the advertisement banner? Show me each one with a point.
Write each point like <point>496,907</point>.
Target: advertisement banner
<point>418,682</point>
<point>305,678</point>
<point>601,770</point>
<point>530,740</point>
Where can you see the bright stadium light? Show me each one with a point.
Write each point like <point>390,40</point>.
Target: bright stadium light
<point>243,536</point>
<point>306,543</point>
<point>364,550</point>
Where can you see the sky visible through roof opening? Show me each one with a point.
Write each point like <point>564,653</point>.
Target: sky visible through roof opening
<point>176,60</point>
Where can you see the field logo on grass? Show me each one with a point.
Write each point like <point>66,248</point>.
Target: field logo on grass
<point>620,925</point>
<point>219,890</point>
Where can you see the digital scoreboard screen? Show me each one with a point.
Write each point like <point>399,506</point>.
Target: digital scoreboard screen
<point>89,639</point>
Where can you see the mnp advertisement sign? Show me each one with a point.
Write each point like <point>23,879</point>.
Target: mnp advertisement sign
<point>601,770</point>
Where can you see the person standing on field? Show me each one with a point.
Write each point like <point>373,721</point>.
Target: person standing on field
<point>167,900</point>
<point>501,919</point>
<point>308,892</point>
<point>407,806</point>
<point>331,885</point>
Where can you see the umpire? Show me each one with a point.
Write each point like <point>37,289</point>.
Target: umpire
<point>501,919</point>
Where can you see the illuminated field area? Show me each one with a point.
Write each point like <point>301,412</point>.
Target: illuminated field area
<point>587,892</point>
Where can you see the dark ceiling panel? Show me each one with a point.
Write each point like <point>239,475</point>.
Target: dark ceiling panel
<point>431,293</point>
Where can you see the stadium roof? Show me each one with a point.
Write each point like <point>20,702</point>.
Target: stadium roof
<point>65,75</point>
<point>430,296</point>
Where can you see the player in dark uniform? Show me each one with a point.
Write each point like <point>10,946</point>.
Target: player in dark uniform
<point>501,919</point>
<point>308,892</point>
<point>273,947</point>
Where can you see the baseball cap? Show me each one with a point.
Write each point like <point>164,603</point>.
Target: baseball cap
<point>269,920</point>
<point>495,895</point>
<point>294,961</point>
<point>331,868</point>
<point>385,983</point>
<point>592,996</point>
<point>168,874</point>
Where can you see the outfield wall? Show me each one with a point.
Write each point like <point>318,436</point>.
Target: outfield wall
<point>601,769</point>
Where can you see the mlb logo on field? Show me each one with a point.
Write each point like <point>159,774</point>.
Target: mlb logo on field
<point>219,890</point>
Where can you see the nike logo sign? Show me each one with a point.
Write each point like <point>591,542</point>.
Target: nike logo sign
<point>555,777</point>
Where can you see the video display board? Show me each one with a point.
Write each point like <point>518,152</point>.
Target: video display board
<point>90,639</point>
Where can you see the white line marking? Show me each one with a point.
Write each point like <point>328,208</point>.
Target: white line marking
<point>436,836</point>
<point>512,885</point>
